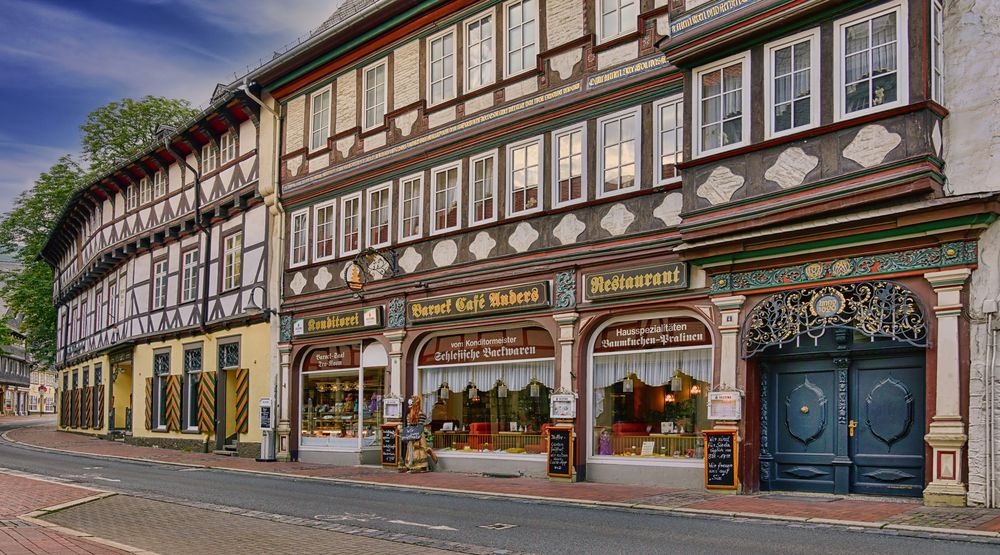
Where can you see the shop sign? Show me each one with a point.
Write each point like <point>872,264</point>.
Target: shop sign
<point>622,283</point>
<point>725,405</point>
<point>706,15</point>
<point>333,358</point>
<point>479,303</point>
<point>656,333</point>
<point>338,322</point>
<point>488,346</point>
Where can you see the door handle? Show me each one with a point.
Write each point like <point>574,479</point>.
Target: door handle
<point>850,428</point>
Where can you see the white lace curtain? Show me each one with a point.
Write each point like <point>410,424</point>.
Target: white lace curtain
<point>517,375</point>
<point>654,367</point>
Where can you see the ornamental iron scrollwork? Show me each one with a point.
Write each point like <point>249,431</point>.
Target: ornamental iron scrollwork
<point>566,289</point>
<point>370,265</point>
<point>397,313</point>
<point>872,308</point>
<point>286,328</point>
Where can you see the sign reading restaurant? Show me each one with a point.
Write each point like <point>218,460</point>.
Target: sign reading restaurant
<point>662,277</point>
<point>339,322</point>
<point>479,303</point>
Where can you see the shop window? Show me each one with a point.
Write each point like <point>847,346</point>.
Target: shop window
<point>161,370</point>
<point>650,380</point>
<point>192,375</point>
<point>341,403</point>
<point>488,392</point>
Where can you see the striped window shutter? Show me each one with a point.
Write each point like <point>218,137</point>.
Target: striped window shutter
<point>77,394</point>
<point>242,400</point>
<point>149,403</point>
<point>99,417</point>
<point>173,416</point>
<point>88,407</point>
<point>64,409</point>
<point>206,402</point>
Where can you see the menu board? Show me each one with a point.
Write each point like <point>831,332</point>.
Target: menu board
<point>560,463</point>
<point>721,459</point>
<point>390,445</point>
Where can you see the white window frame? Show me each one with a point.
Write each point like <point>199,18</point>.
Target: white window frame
<point>361,224</point>
<point>132,197</point>
<point>509,177</point>
<point>419,178</point>
<point>230,251</point>
<point>161,274</point>
<point>937,59</point>
<point>379,119</point>
<point>676,100</point>
<point>387,188</point>
<point>457,166</point>
<point>189,274</point>
<point>298,239</point>
<point>507,71</point>
<point>145,191</point>
<point>494,155</point>
<point>467,47</point>
<point>812,36</point>
<point>431,101</point>
<point>325,128</point>
<point>576,128</point>
<point>599,15</point>
<point>636,113</point>
<point>227,147</point>
<point>902,59</point>
<point>159,184</point>
<point>741,58</point>
<point>332,223</point>
<point>209,158</point>
<point>190,385</point>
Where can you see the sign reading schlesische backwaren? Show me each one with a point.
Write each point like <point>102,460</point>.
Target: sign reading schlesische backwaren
<point>635,281</point>
<point>479,303</point>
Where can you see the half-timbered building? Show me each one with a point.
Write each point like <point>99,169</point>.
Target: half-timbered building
<point>160,271</point>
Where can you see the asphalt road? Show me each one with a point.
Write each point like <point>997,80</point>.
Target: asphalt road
<point>537,527</point>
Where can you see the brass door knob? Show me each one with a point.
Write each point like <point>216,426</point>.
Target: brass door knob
<point>804,409</point>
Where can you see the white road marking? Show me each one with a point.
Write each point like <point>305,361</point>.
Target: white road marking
<point>428,526</point>
<point>105,479</point>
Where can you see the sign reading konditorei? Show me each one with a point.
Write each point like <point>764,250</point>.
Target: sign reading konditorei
<point>635,281</point>
<point>706,14</point>
<point>339,322</point>
<point>479,303</point>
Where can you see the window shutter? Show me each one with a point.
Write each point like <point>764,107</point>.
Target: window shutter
<point>76,408</point>
<point>64,409</point>
<point>99,416</point>
<point>149,403</point>
<point>242,400</point>
<point>173,415</point>
<point>206,402</point>
<point>88,407</point>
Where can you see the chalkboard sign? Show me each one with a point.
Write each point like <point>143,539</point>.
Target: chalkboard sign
<point>413,432</point>
<point>721,459</point>
<point>560,463</point>
<point>390,445</point>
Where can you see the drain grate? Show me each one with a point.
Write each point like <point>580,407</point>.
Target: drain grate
<point>805,498</point>
<point>498,526</point>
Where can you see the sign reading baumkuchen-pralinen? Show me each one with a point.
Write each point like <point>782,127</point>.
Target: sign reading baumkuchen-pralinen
<point>635,281</point>
<point>339,322</point>
<point>479,303</point>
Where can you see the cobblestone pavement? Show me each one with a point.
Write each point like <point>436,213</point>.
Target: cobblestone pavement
<point>181,528</point>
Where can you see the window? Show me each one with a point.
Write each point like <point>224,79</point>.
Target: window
<point>441,57</point>
<point>937,52</point>
<point>522,35</point>
<point>325,223</point>
<point>445,198</point>
<point>523,169</point>
<point>483,180</point>
<point>145,192</point>
<point>320,121</point>
<point>379,205</point>
<point>350,224</point>
<point>122,293</point>
<point>872,54</point>
<point>83,319</point>
<point>131,198</point>
<point>618,138</point>
<point>411,207</point>
<point>98,309</point>
<point>375,95</point>
<point>668,130</point>
<point>159,284</point>
<point>300,238</point>
<point>192,375</point>
<point>721,93</point>
<point>159,184</point>
<point>112,301</point>
<point>189,283</point>
<point>229,355</point>
<point>479,52</point>
<point>209,158</point>
<point>568,165</point>
<point>86,375</point>
<point>617,17</point>
<point>792,77</point>
<point>232,262</point>
<point>161,372</point>
<point>227,147</point>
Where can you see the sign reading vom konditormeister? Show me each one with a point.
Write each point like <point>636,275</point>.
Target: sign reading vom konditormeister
<point>635,281</point>
<point>339,322</point>
<point>479,303</point>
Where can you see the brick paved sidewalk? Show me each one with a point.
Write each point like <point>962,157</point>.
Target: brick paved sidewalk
<point>859,511</point>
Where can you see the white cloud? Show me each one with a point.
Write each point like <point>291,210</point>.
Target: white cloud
<point>20,166</point>
<point>264,17</point>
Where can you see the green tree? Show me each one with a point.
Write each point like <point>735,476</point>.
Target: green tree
<point>23,232</point>
<point>117,131</point>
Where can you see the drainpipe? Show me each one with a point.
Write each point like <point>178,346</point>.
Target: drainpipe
<point>989,378</point>
<point>197,224</point>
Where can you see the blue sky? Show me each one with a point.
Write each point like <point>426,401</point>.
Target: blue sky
<point>60,59</point>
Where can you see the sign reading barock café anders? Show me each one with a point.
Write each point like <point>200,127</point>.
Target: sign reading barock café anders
<point>635,281</point>
<point>479,303</point>
<point>339,322</point>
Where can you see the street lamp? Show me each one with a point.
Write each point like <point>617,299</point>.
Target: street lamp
<point>253,309</point>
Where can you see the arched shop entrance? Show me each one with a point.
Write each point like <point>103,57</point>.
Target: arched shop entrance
<point>842,388</point>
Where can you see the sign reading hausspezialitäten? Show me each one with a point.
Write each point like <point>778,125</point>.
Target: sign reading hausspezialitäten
<point>339,322</point>
<point>479,303</point>
<point>662,277</point>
